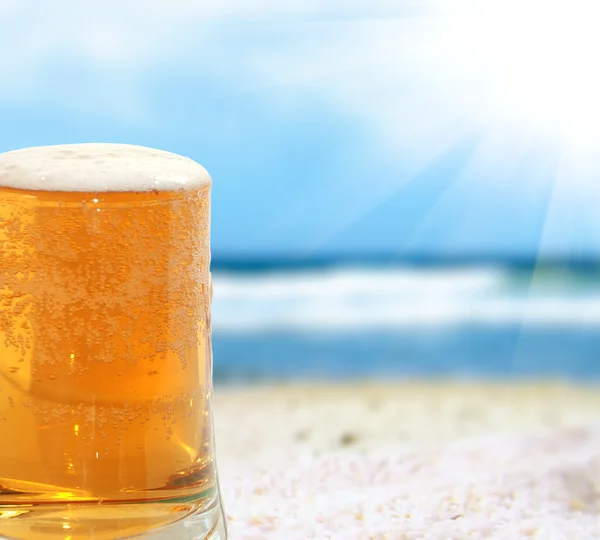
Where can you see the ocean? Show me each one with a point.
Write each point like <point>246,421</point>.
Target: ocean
<point>332,320</point>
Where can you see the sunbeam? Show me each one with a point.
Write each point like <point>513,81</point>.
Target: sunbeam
<point>517,74</point>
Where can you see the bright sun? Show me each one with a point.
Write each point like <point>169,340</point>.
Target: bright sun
<point>529,62</point>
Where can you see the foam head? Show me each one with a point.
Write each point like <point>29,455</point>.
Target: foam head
<point>99,168</point>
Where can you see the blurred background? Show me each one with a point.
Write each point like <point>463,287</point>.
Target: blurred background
<point>402,188</point>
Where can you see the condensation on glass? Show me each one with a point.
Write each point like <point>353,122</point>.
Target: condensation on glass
<point>105,346</point>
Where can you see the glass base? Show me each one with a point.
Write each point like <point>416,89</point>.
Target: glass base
<point>205,524</point>
<point>185,519</point>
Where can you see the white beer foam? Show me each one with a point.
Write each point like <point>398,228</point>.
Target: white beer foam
<point>99,167</point>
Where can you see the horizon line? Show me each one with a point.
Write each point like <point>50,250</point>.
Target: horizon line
<point>325,260</point>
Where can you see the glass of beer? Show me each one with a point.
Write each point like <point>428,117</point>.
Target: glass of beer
<point>105,346</point>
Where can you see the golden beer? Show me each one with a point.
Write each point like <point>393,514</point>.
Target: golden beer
<point>105,351</point>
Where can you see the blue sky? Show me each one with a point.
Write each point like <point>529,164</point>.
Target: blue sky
<point>399,126</point>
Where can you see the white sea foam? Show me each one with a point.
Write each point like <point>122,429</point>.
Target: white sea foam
<point>355,300</point>
<point>100,168</point>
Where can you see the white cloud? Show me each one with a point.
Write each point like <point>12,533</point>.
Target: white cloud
<point>420,73</point>
<point>74,51</point>
<point>81,53</point>
<point>126,32</point>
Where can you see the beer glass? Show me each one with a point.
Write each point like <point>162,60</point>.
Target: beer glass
<point>105,346</point>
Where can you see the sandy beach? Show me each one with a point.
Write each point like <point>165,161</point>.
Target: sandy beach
<point>265,426</point>
<point>276,445</point>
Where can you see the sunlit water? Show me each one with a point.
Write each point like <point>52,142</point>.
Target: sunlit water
<point>431,321</point>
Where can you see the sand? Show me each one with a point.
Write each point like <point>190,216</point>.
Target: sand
<point>260,427</point>
<point>414,460</point>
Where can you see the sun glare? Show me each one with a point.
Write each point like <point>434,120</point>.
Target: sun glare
<point>529,62</point>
